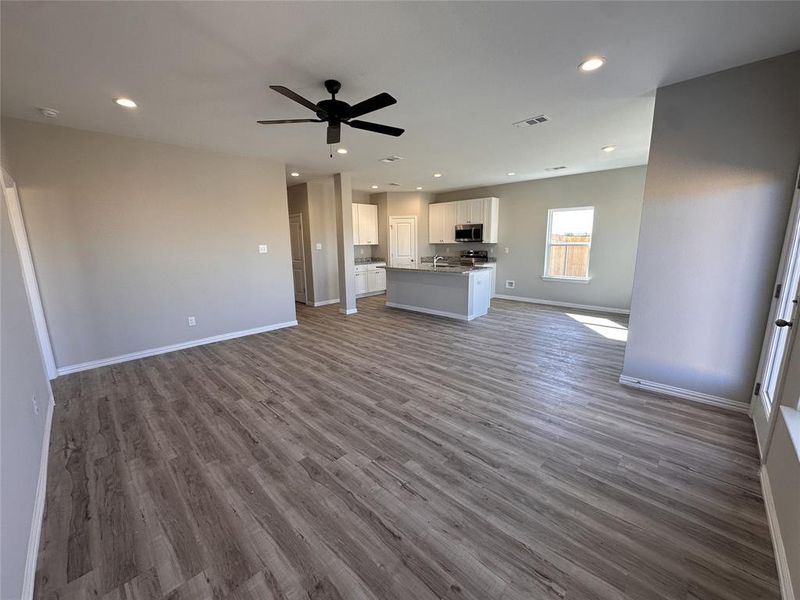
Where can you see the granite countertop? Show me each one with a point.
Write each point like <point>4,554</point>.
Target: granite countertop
<point>369,260</point>
<point>446,269</point>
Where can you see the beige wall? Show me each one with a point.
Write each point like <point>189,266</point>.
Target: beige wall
<point>617,197</point>
<point>402,204</point>
<point>723,162</point>
<point>22,431</point>
<point>130,237</point>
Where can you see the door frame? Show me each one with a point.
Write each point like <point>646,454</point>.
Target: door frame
<point>303,251</point>
<point>390,258</point>
<point>791,241</point>
<point>11,196</point>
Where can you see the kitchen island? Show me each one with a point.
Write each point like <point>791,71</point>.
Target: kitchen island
<point>457,292</point>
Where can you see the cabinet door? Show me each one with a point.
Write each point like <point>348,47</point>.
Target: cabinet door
<point>435,213</point>
<point>361,283</point>
<point>449,218</point>
<point>476,212</point>
<point>368,224</point>
<point>356,237</point>
<point>462,212</point>
<point>380,280</point>
<point>372,280</point>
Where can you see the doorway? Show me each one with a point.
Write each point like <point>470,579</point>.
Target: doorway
<point>772,369</point>
<point>298,257</point>
<point>402,241</point>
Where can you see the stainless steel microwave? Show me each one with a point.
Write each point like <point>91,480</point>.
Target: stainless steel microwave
<point>469,233</point>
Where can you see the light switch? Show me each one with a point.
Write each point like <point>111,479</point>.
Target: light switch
<point>319,246</point>
<point>262,249</point>
<point>506,249</point>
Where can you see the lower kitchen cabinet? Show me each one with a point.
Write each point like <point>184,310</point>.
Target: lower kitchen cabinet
<point>370,279</point>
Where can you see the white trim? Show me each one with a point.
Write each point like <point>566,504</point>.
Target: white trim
<point>676,392</point>
<point>548,243</point>
<point>348,311</point>
<point>619,311</point>
<point>567,279</point>
<point>29,578</point>
<point>325,302</point>
<point>104,362</point>
<point>28,272</point>
<point>368,294</point>
<point>781,560</point>
<point>432,311</point>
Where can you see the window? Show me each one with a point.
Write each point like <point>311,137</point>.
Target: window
<point>569,240</point>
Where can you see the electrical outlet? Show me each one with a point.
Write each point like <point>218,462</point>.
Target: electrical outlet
<point>262,249</point>
<point>192,321</point>
<point>35,405</point>
<point>511,284</point>
<point>506,249</point>
<point>319,246</point>
<point>361,251</point>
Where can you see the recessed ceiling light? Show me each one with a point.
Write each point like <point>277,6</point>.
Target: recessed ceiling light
<point>419,187</point>
<point>437,174</point>
<point>592,63</point>
<point>294,174</point>
<point>342,150</point>
<point>126,102</point>
<point>610,148</point>
<point>374,187</point>
<point>511,173</point>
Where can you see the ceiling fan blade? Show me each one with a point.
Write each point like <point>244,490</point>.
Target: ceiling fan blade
<point>377,128</point>
<point>297,98</point>
<point>334,134</point>
<point>277,121</point>
<point>382,100</point>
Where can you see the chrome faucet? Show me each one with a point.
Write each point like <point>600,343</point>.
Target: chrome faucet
<point>436,258</point>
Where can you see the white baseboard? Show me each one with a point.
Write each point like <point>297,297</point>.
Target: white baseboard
<point>431,311</point>
<point>676,392</point>
<point>29,578</point>
<point>348,311</point>
<point>325,302</point>
<point>781,561</point>
<point>104,362</point>
<point>367,294</point>
<point>608,309</point>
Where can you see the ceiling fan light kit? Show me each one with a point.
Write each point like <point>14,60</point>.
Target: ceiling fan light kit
<point>337,112</point>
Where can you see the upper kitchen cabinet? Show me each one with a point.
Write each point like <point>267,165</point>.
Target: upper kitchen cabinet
<point>365,224</point>
<point>442,223</point>
<point>444,216</point>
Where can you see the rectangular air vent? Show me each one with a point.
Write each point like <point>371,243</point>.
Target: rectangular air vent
<point>558,168</point>
<point>395,184</point>
<point>393,158</point>
<point>532,121</point>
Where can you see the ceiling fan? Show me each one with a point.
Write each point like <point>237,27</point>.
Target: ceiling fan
<point>335,112</point>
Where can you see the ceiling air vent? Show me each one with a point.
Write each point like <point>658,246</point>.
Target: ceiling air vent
<point>558,168</point>
<point>393,158</point>
<point>395,184</point>
<point>532,121</point>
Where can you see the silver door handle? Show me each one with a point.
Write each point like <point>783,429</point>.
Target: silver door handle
<point>783,323</point>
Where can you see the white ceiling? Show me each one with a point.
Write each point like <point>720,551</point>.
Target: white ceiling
<point>462,74</point>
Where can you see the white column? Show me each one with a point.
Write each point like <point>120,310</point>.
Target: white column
<point>343,192</point>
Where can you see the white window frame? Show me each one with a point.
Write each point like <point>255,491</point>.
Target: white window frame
<point>548,244</point>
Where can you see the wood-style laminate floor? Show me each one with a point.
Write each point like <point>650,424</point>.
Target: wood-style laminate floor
<point>390,455</point>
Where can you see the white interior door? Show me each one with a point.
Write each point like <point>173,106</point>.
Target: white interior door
<point>402,241</point>
<point>772,368</point>
<point>298,257</point>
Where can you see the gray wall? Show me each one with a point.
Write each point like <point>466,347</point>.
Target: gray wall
<point>723,162</point>
<point>322,207</point>
<point>22,432</point>
<point>617,197</point>
<point>130,237</point>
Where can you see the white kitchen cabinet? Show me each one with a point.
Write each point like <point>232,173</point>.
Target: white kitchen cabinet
<point>370,279</point>
<point>365,224</point>
<point>493,267</point>
<point>444,216</point>
<point>361,282</point>
<point>469,211</point>
<point>442,223</point>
